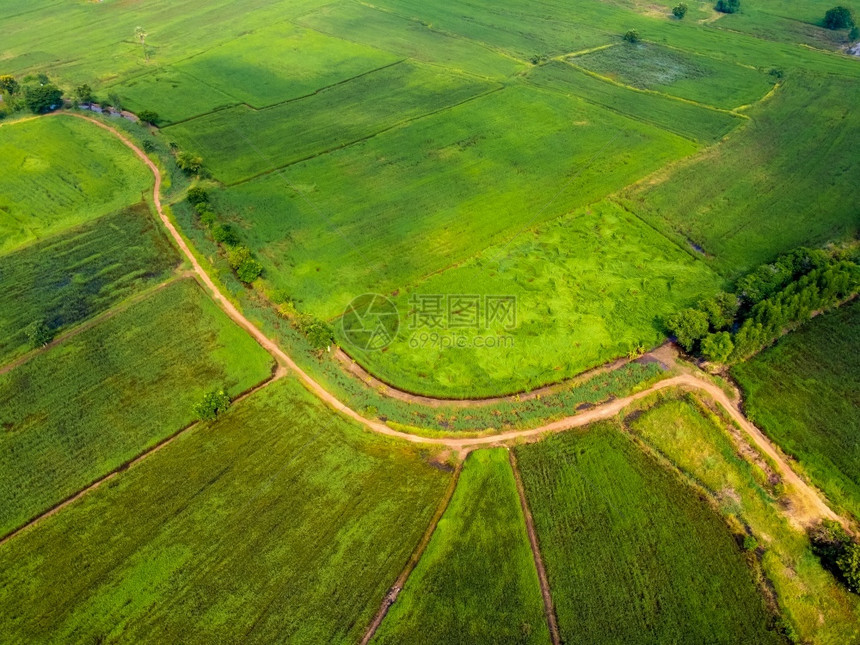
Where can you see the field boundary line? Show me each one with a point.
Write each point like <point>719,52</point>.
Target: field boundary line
<point>499,87</point>
<point>277,374</point>
<point>394,591</point>
<point>548,605</point>
<point>95,320</point>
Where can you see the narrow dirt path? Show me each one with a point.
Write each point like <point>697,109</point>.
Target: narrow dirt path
<point>816,504</point>
<point>549,607</point>
<point>397,587</point>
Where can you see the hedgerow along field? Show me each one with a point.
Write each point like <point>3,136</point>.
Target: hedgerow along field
<point>476,581</point>
<point>815,607</point>
<point>280,522</point>
<point>631,553</point>
<point>805,393</point>
<point>98,399</point>
<point>70,277</point>
<point>56,173</point>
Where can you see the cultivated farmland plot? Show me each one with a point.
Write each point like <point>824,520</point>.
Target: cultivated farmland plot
<point>601,164</point>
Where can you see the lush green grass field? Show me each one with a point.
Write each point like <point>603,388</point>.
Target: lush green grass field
<point>477,581</point>
<point>685,119</point>
<point>58,172</point>
<point>280,523</point>
<point>589,287</point>
<point>70,277</point>
<point>787,179</point>
<point>632,555</point>
<point>805,393</point>
<point>820,609</point>
<point>241,142</point>
<point>699,78</point>
<point>90,404</point>
<point>388,211</point>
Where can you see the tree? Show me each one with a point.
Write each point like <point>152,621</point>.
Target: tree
<point>148,116</point>
<point>115,100</point>
<point>721,310</point>
<point>42,98</point>
<point>213,403</point>
<point>249,270</point>
<point>140,34</point>
<point>839,18</point>
<point>679,11</point>
<point>632,36</point>
<point>197,195</point>
<point>8,84</point>
<point>189,162</point>
<point>318,332</point>
<point>849,566</point>
<point>224,234</point>
<point>84,94</point>
<point>688,326</point>
<point>717,347</point>
<point>38,333</point>
<point>728,6</point>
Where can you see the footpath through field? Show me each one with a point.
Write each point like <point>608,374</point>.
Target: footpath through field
<point>814,506</point>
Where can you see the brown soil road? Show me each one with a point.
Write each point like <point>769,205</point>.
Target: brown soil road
<point>814,504</point>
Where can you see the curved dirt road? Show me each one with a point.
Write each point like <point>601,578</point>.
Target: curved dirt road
<point>814,506</point>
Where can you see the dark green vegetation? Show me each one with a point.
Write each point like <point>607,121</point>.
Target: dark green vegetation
<point>632,555</point>
<point>70,277</point>
<point>57,172</point>
<point>814,606</point>
<point>278,523</point>
<point>805,393</point>
<point>772,300</point>
<point>838,551</point>
<point>92,403</point>
<point>476,582</point>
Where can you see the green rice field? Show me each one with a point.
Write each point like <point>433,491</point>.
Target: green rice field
<point>97,400</point>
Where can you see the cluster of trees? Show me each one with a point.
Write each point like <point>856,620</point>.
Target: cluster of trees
<point>34,92</point>
<point>773,299</point>
<point>239,257</point>
<point>213,403</point>
<point>728,6</point>
<point>838,552</point>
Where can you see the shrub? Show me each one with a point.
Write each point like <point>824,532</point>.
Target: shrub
<point>207,216</point>
<point>189,162</point>
<point>38,333</point>
<point>728,6</point>
<point>318,332</point>
<point>849,566</point>
<point>213,403</point>
<point>750,543</point>
<point>40,99</point>
<point>632,36</point>
<point>717,347</point>
<point>8,84</point>
<point>839,18</point>
<point>148,116</point>
<point>679,11</point>
<point>148,145</point>
<point>197,195</point>
<point>224,234</point>
<point>249,270</point>
<point>84,94</point>
<point>688,326</point>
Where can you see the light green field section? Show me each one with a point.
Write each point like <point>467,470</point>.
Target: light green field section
<point>390,210</point>
<point>90,404</point>
<point>698,78</point>
<point>280,523</point>
<point>788,178</point>
<point>476,582</point>
<point>589,287</point>
<point>632,555</point>
<point>58,172</point>
<point>685,119</point>
<point>240,143</point>
<point>817,606</point>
